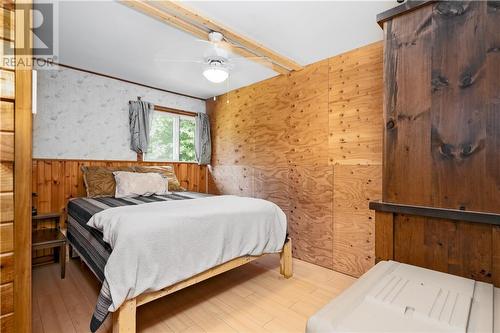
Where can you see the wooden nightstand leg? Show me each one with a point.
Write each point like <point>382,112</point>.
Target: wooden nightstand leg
<point>62,260</point>
<point>56,254</point>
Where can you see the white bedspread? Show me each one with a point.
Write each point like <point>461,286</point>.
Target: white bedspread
<point>159,244</point>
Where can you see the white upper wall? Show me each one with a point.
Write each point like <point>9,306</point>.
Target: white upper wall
<point>108,37</point>
<point>85,116</point>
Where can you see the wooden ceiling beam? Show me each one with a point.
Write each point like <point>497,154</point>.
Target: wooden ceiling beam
<point>151,11</point>
<point>200,32</point>
<point>188,14</point>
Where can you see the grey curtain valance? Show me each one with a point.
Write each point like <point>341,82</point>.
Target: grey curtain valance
<point>203,143</point>
<point>140,119</point>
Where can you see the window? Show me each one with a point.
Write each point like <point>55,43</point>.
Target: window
<point>172,138</point>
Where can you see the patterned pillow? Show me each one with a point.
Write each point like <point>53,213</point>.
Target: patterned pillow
<point>166,171</point>
<point>100,181</point>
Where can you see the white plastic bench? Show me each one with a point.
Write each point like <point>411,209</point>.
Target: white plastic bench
<point>395,297</point>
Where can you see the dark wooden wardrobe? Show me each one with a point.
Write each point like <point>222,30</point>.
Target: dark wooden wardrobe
<point>441,178</point>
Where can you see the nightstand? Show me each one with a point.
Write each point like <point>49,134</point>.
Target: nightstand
<point>50,238</point>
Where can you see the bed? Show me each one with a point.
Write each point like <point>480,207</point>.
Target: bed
<point>94,247</point>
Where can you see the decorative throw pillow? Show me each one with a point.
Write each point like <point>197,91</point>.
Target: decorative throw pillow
<point>167,171</point>
<point>133,184</point>
<point>100,181</point>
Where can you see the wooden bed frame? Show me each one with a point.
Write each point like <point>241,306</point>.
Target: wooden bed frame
<point>124,317</point>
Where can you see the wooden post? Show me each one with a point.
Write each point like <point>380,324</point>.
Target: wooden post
<point>384,236</point>
<point>124,318</point>
<point>286,265</point>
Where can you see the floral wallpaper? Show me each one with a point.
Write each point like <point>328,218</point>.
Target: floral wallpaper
<point>85,116</point>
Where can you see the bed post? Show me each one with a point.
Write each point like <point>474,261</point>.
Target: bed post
<point>124,317</point>
<point>286,268</point>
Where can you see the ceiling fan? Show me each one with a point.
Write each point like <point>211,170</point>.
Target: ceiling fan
<point>217,62</point>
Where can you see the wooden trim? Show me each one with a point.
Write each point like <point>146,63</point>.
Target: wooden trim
<point>441,213</point>
<point>156,13</point>
<point>175,111</point>
<point>402,9</point>
<point>180,21</point>
<point>22,177</point>
<point>124,318</point>
<point>495,252</point>
<point>108,161</point>
<point>120,79</point>
<point>384,236</point>
<point>190,15</point>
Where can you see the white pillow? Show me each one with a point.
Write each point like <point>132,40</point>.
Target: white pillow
<point>133,184</point>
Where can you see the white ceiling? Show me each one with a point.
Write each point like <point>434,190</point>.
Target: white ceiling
<point>107,37</point>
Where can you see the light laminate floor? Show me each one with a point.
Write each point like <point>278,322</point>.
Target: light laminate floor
<point>251,298</point>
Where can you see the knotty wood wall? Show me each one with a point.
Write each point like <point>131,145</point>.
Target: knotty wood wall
<point>311,142</point>
<point>57,181</point>
<point>442,137</point>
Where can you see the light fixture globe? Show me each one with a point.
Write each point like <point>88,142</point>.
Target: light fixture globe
<point>216,72</point>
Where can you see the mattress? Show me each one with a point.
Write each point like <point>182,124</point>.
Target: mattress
<point>88,242</point>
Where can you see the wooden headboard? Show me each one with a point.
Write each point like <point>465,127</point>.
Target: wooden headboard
<point>56,181</point>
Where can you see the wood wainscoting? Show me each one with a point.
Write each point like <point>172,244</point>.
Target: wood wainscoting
<point>311,142</point>
<point>55,181</point>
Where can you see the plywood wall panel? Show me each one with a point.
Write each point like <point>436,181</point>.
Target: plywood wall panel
<point>354,228</point>
<point>272,184</point>
<point>308,116</point>
<point>272,132</point>
<point>234,120</point>
<point>311,212</point>
<point>355,107</point>
<point>288,146</point>
<point>234,180</point>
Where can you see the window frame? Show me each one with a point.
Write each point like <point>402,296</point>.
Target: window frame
<point>177,116</point>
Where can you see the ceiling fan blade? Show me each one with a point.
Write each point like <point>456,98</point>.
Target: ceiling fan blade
<point>221,44</point>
